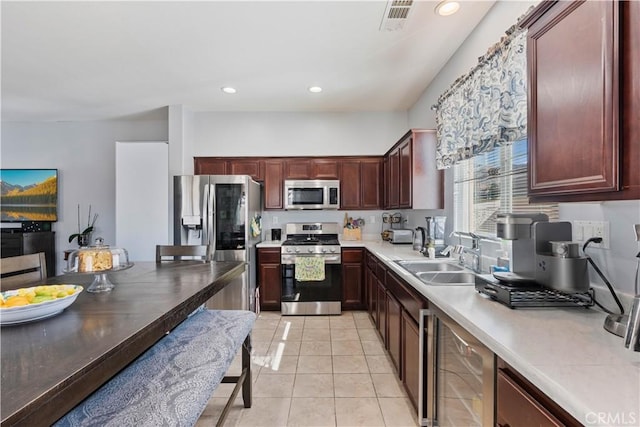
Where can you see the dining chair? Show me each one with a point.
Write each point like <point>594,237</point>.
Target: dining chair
<point>17,271</point>
<point>176,253</point>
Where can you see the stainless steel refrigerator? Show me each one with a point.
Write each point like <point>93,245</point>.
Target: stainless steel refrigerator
<point>218,210</point>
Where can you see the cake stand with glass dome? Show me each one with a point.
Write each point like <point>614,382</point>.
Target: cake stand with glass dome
<point>99,260</point>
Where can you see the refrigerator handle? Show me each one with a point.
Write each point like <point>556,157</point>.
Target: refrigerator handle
<point>211,232</point>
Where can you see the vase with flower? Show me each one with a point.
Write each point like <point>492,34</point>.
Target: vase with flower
<point>84,235</point>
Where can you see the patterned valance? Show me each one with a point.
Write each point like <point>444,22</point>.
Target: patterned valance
<point>486,107</point>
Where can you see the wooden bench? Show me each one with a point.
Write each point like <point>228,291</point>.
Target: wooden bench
<point>171,383</point>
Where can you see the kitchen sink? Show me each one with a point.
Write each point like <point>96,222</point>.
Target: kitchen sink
<point>447,278</point>
<point>438,274</point>
<point>424,266</point>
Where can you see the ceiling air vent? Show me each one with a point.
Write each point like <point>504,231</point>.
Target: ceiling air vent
<point>395,15</point>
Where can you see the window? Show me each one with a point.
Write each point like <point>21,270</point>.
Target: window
<point>490,183</point>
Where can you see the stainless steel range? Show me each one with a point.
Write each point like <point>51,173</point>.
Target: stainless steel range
<point>311,269</point>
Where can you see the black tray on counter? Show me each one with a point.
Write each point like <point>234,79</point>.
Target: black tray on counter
<point>529,296</point>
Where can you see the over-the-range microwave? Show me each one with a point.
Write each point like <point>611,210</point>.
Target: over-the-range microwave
<point>311,194</point>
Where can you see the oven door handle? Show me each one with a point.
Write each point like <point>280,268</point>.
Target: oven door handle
<point>327,259</point>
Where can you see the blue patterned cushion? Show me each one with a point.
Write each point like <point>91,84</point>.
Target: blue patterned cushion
<point>171,383</point>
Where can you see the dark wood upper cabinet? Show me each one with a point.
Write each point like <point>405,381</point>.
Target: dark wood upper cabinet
<point>393,179</point>
<point>312,168</point>
<point>405,172</point>
<point>273,184</point>
<point>210,166</point>
<point>371,183</point>
<point>574,96</point>
<point>325,169</point>
<point>251,167</point>
<point>297,168</point>
<point>411,179</point>
<point>350,184</point>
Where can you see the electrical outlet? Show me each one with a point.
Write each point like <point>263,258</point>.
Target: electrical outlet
<point>275,221</point>
<point>584,230</point>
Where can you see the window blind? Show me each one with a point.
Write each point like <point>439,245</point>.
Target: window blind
<point>490,183</point>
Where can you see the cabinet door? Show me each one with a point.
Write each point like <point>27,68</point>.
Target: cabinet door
<point>352,289</point>
<point>410,357</point>
<point>269,278</point>
<point>393,183</point>
<point>251,167</point>
<point>382,311</point>
<point>210,166</point>
<point>404,175</point>
<point>325,169</point>
<point>370,178</point>
<point>352,279</point>
<point>372,295</point>
<point>631,99</point>
<point>394,330</point>
<point>350,184</point>
<point>515,407</point>
<point>273,184</point>
<point>573,99</point>
<point>297,168</point>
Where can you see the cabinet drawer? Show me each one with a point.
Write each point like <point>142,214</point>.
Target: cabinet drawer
<point>352,255</point>
<point>269,256</point>
<point>516,407</point>
<point>372,262</point>
<point>411,302</point>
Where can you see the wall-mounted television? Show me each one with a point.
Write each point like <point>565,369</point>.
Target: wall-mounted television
<point>28,195</point>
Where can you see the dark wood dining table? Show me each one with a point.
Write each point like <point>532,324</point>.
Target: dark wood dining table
<point>51,365</point>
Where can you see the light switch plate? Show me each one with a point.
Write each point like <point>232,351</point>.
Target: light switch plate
<point>637,229</point>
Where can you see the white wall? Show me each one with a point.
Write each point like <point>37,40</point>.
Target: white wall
<point>500,17</point>
<point>84,154</point>
<point>296,134</point>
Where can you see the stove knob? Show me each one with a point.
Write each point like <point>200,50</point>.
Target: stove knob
<point>297,250</point>
<point>324,250</point>
<point>309,250</point>
<point>288,250</point>
<point>333,250</point>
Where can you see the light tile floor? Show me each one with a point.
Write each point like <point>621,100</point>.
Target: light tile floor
<point>316,371</point>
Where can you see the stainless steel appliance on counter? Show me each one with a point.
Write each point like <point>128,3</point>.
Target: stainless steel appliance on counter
<point>457,374</point>
<point>311,194</point>
<point>311,269</point>
<point>546,267</point>
<point>218,210</point>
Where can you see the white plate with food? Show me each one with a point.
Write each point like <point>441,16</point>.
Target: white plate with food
<point>35,303</point>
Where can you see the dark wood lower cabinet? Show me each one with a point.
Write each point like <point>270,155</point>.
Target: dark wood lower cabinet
<point>394,330</point>
<point>382,311</point>
<point>352,279</point>
<point>520,403</point>
<point>269,278</point>
<point>410,357</point>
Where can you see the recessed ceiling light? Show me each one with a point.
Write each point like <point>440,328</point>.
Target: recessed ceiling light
<point>315,89</point>
<point>447,8</point>
<point>228,89</point>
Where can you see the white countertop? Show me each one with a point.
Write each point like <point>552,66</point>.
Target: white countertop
<point>565,352</point>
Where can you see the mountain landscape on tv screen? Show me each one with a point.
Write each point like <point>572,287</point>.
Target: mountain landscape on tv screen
<point>31,202</point>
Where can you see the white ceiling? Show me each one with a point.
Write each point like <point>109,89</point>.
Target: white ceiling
<point>64,61</point>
